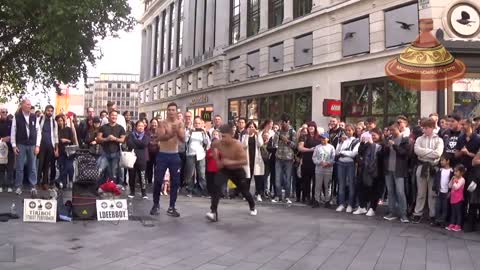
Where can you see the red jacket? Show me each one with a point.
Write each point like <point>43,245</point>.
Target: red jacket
<point>211,163</point>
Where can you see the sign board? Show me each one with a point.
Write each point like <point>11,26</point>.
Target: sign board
<point>332,107</point>
<point>423,4</point>
<point>112,210</point>
<point>199,100</point>
<point>36,210</point>
<point>207,116</point>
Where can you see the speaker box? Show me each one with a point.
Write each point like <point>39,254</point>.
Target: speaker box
<point>84,201</point>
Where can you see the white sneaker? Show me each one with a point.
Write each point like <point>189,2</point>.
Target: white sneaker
<point>259,198</point>
<point>340,208</point>
<point>253,212</point>
<point>211,216</point>
<point>131,196</point>
<point>9,190</point>
<point>275,200</point>
<point>370,213</point>
<point>349,209</point>
<point>1,189</point>
<point>287,200</point>
<point>360,211</point>
<point>145,197</point>
<point>18,191</point>
<point>33,192</point>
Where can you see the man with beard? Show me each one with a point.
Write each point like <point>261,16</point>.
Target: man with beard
<point>48,148</point>
<point>450,138</point>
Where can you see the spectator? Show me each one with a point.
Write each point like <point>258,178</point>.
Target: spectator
<point>396,152</point>
<point>138,141</point>
<point>217,122</point>
<point>429,149</point>
<point>457,185</point>
<point>128,122</point>
<point>434,117</point>
<point>402,122</point>
<point>335,131</point>
<point>91,138</point>
<point>103,115</point>
<point>451,138</point>
<point>440,186</point>
<point>266,163</point>
<point>284,142</point>
<point>110,136</point>
<point>255,167</point>
<point>6,170</point>
<point>25,137</point>
<point>48,148</point>
<point>241,130</point>
<point>152,150</point>
<point>324,159</point>
<point>345,154</point>
<point>65,163</point>
<point>359,129</point>
<point>306,146</point>
<point>267,127</point>
<point>212,168</point>
<point>197,143</point>
<point>112,106</point>
<point>85,126</point>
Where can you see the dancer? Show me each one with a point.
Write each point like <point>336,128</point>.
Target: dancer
<point>230,157</point>
<point>170,132</point>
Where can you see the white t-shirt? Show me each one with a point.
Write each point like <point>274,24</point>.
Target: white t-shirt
<point>444,179</point>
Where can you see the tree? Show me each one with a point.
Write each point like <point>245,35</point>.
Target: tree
<point>49,41</point>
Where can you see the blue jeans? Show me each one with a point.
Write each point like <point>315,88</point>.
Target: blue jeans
<point>198,167</point>
<point>283,172</point>
<point>172,162</point>
<point>109,162</point>
<point>66,169</point>
<point>346,179</point>
<point>397,202</point>
<point>26,157</point>
<point>441,207</point>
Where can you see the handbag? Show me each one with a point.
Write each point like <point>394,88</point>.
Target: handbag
<point>472,186</point>
<point>127,159</point>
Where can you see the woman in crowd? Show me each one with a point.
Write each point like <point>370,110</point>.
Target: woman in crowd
<point>359,129</point>
<point>306,146</point>
<point>65,137</point>
<point>297,166</point>
<point>255,167</point>
<point>346,152</point>
<point>95,149</point>
<point>211,168</point>
<point>267,128</point>
<point>138,141</point>
<point>152,149</point>
<point>370,172</point>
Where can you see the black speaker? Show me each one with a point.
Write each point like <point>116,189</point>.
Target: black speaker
<point>84,196</point>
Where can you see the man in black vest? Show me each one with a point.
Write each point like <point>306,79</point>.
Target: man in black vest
<point>48,148</point>
<point>25,137</point>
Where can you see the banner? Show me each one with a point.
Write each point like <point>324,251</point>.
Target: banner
<point>36,210</point>
<point>62,101</point>
<point>112,210</point>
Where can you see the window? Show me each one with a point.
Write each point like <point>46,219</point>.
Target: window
<point>210,76</point>
<point>109,85</point>
<point>162,90</point>
<point>147,95</point>
<point>109,94</point>
<point>303,50</point>
<point>234,21</point>
<point>118,103</point>
<point>356,37</point>
<point>253,16</point>
<point>275,62</point>
<point>172,29</point>
<point>180,33</point>
<point>301,8</point>
<point>401,25</point>
<point>128,86</point>
<point>127,103</point>
<point>170,88</point>
<point>253,62</point>
<point>155,45</point>
<point>275,13</point>
<point>200,79</point>
<point>128,94</point>
<point>178,86</point>
<point>155,92</point>
<point>234,69</point>
<point>164,41</point>
<point>380,98</point>
<point>119,85</point>
<point>118,94</point>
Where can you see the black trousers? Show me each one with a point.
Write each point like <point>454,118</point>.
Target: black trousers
<point>308,182</point>
<point>46,164</point>
<point>473,217</point>
<point>238,178</point>
<point>456,216</point>
<point>183,159</point>
<point>271,188</point>
<point>137,172</point>
<point>370,194</point>
<point>149,173</point>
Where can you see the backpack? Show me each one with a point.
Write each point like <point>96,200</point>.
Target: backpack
<point>3,152</point>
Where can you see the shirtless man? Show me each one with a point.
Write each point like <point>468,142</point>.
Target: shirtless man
<point>171,132</point>
<point>230,157</point>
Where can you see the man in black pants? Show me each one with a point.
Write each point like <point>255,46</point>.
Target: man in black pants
<point>48,148</point>
<point>230,158</point>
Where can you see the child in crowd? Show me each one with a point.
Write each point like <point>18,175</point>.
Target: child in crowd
<point>440,186</point>
<point>212,168</point>
<point>457,185</point>
<point>323,158</point>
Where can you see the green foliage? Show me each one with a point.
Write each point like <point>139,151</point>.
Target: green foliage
<point>45,41</point>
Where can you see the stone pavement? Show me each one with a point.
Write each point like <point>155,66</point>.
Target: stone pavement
<point>278,238</point>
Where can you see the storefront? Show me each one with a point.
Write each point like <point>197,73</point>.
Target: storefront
<point>381,98</point>
<point>296,103</point>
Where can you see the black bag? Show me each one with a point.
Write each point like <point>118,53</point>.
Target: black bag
<point>87,169</point>
<point>84,201</point>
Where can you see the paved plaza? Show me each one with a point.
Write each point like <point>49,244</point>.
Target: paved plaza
<point>278,238</point>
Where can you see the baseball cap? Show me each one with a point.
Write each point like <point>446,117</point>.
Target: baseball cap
<point>325,135</point>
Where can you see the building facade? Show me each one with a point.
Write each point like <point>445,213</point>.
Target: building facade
<point>121,88</point>
<point>260,58</point>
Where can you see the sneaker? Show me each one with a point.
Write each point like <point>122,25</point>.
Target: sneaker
<point>33,192</point>
<point>404,219</point>
<point>327,205</point>
<point>259,198</point>
<point>416,219</point>
<point>9,190</point>
<point>389,217</point>
<point>173,212</point>
<point>370,213</point>
<point>189,195</point>
<point>18,191</point>
<point>1,189</point>
<point>340,208</point>
<point>145,197</point>
<point>131,195</point>
<point>287,200</point>
<point>155,211</point>
<point>253,212</point>
<point>449,227</point>
<point>360,211</point>
<point>212,217</point>
<point>457,228</point>
<point>275,200</point>
<point>349,209</point>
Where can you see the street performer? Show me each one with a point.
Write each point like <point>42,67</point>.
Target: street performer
<point>230,157</point>
<point>170,132</point>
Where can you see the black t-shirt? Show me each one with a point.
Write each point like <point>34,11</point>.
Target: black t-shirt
<point>117,131</point>
<point>335,135</point>
<point>309,142</point>
<point>472,145</point>
<point>450,139</point>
